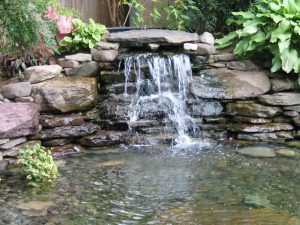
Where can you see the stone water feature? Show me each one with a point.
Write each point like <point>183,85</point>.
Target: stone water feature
<point>146,87</point>
<point>154,92</point>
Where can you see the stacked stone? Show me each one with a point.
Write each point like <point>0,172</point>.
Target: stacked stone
<point>258,105</point>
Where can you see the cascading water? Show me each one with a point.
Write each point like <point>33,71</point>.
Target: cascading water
<point>164,81</point>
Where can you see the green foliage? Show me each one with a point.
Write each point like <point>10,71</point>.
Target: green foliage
<point>212,14</point>
<point>38,164</point>
<point>23,27</point>
<point>272,26</point>
<point>180,13</point>
<point>83,36</point>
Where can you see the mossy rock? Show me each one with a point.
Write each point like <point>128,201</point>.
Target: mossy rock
<point>293,144</point>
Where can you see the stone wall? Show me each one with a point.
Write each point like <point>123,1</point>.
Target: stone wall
<point>79,103</point>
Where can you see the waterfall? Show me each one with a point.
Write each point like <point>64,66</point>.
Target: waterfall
<point>162,82</point>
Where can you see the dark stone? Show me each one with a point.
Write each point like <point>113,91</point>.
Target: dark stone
<point>86,69</point>
<point>69,131</point>
<point>281,119</point>
<point>57,142</point>
<point>297,121</point>
<point>3,166</point>
<point>18,119</point>
<point>225,57</point>
<point>281,84</point>
<point>262,128</point>
<point>215,119</point>
<point>295,108</point>
<point>103,138</point>
<point>291,113</point>
<point>252,109</point>
<point>50,121</point>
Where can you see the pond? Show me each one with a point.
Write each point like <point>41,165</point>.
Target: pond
<point>158,185</point>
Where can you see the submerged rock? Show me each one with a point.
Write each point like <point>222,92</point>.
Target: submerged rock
<point>66,94</point>
<point>230,84</point>
<point>111,163</point>
<point>205,108</point>
<point>257,201</point>
<point>286,153</point>
<point>261,152</point>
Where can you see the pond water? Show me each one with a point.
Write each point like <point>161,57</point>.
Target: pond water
<point>157,185</point>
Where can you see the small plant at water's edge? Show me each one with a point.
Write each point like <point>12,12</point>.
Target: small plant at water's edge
<point>38,164</point>
<point>83,36</point>
<point>268,26</point>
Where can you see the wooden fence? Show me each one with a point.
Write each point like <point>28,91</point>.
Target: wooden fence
<point>98,10</point>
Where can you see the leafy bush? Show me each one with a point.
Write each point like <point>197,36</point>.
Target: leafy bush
<point>38,164</point>
<point>23,28</point>
<point>212,14</point>
<point>271,25</point>
<point>83,36</point>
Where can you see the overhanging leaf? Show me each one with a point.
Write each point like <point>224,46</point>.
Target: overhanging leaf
<point>289,59</point>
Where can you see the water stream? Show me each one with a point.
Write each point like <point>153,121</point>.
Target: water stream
<point>164,81</point>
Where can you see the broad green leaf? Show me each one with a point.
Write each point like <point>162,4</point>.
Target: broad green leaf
<point>274,7</point>
<point>282,27</point>
<point>276,64</point>
<point>226,40</point>
<point>259,37</point>
<point>289,59</point>
<point>276,17</point>
<point>284,45</point>
<point>250,29</point>
<point>245,15</point>
<point>297,30</point>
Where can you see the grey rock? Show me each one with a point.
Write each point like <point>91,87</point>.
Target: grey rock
<point>12,143</point>
<point>1,158</point>
<point>260,128</point>
<point>153,47</point>
<point>281,119</point>
<point>282,84</point>
<point>51,121</point>
<point>24,99</point>
<point>261,152</point>
<point>36,74</point>
<point>281,99</point>
<point>57,142</point>
<point>295,108</point>
<point>206,109</point>
<point>107,46</point>
<point>3,141</point>
<point>230,84</point>
<point>296,120</point>
<point>1,98</point>
<point>153,36</point>
<point>67,63</point>
<point>267,137</point>
<point>106,65</point>
<point>252,109</point>
<point>18,119</point>
<point>14,151</point>
<point>205,49</point>
<point>66,94</point>
<point>218,65</point>
<point>215,120</point>
<point>80,57</point>
<point>6,100</point>
<point>207,38</point>
<point>246,119</point>
<point>225,57</point>
<point>86,69</point>
<point>104,55</point>
<point>69,131</point>
<point>16,90</point>
<point>290,113</point>
<point>190,46</point>
<point>243,65</point>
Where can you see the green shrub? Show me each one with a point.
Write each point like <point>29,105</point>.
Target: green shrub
<point>38,164</point>
<point>83,36</point>
<point>212,14</point>
<point>272,26</point>
<point>23,28</point>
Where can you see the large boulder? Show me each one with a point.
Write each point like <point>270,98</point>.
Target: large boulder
<point>16,90</point>
<point>153,36</point>
<point>283,99</point>
<point>18,119</point>
<point>36,74</point>
<point>66,94</point>
<point>230,84</point>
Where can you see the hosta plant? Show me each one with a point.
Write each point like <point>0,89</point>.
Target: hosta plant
<point>83,36</point>
<point>38,164</point>
<point>269,25</point>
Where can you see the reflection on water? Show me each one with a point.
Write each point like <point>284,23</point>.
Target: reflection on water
<point>152,185</point>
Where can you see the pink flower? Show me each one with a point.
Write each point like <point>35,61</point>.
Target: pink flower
<point>64,24</point>
<point>51,14</point>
